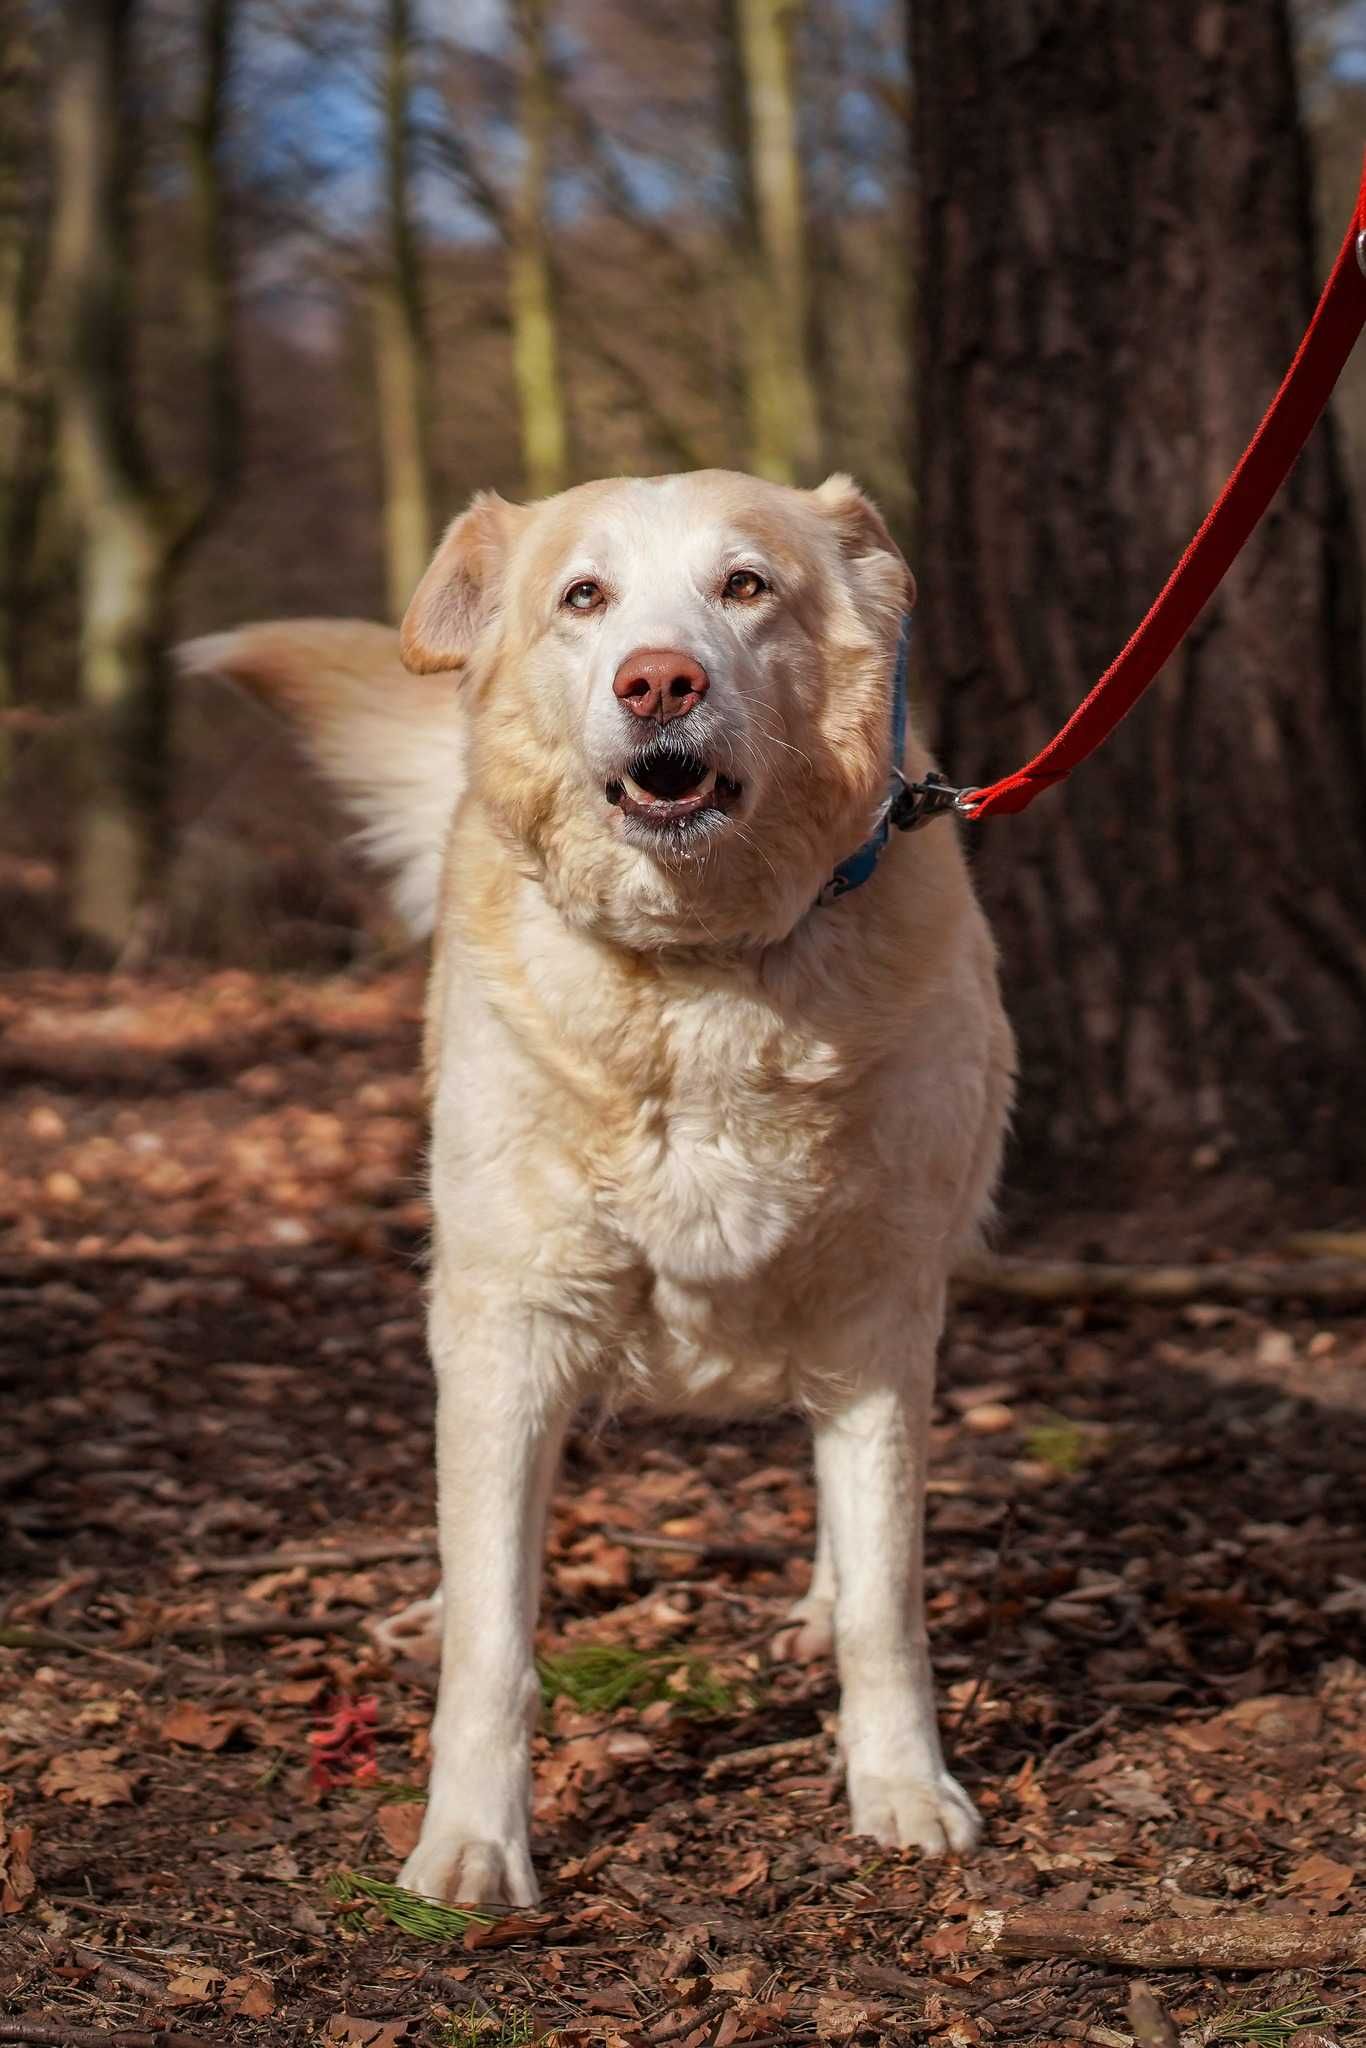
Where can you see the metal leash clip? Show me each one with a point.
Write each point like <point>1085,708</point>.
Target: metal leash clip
<point>915,803</point>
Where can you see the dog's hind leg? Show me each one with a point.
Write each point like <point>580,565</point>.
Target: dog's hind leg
<point>415,1631</point>
<point>809,1629</point>
<point>498,1437</point>
<point>870,1460</point>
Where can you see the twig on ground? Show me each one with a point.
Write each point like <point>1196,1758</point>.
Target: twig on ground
<point>1242,1941</point>
<point>109,1966</point>
<point>1148,2018</point>
<point>765,1753</point>
<point>345,1622</point>
<point>19,1638</point>
<point>59,2034</point>
<point>1076,1738</point>
<point>968,1710</point>
<point>319,1558</point>
<point>715,1548</point>
<point>1336,1281</point>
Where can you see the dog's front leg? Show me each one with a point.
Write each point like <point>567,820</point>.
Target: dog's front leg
<point>498,1433</point>
<point>870,1464</point>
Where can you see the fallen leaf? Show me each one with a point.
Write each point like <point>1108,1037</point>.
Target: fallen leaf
<point>17,1882</point>
<point>250,1996</point>
<point>510,1927</point>
<point>744,1975</point>
<point>1321,1878</point>
<point>194,1727</point>
<point>400,1825</point>
<point>840,2019</point>
<point>87,1777</point>
<point>363,2033</point>
<point>195,1986</point>
<point>751,1870</point>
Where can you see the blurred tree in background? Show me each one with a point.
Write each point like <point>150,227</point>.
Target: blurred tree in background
<point>1118,262</point>
<point>293,277</point>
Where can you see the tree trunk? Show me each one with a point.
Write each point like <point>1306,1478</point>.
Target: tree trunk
<point>21,401</point>
<point>783,417</point>
<point>535,339</point>
<point>1115,223</point>
<point>401,363</point>
<point>133,533</point>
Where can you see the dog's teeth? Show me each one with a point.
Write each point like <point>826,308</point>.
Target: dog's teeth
<point>642,796</point>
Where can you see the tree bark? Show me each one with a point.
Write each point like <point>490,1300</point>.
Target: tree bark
<point>401,359</point>
<point>1238,1941</point>
<point>22,401</point>
<point>1116,236</point>
<point>784,420</point>
<point>133,533</point>
<point>531,281</point>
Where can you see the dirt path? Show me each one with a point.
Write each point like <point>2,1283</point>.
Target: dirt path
<point>1147,1598</point>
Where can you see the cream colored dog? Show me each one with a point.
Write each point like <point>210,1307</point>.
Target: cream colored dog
<point>696,1142</point>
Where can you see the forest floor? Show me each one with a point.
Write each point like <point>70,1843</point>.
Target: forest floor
<point>1147,1605</point>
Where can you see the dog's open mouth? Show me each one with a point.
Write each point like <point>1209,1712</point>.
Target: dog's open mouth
<point>665,785</point>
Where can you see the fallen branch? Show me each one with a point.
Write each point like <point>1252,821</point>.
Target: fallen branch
<point>1243,1941</point>
<point>716,1549</point>
<point>13,1638</point>
<point>1338,1283</point>
<point>110,1967</point>
<point>57,2034</point>
<point>320,1558</point>
<point>766,1753</point>
<point>345,1622</point>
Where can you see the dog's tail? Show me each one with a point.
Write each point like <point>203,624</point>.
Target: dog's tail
<point>391,744</point>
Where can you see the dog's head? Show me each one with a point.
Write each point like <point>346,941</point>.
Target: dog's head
<point>678,690</point>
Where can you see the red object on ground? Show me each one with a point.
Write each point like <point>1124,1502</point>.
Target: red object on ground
<point>1269,457</point>
<point>344,1747</point>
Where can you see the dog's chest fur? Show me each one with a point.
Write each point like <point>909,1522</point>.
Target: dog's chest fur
<point>700,1167</point>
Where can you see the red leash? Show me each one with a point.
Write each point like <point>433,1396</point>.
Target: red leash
<point>1268,460</point>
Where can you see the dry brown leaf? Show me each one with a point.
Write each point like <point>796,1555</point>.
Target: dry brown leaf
<point>17,1882</point>
<point>196,1985</point>
<point>1321,1878</point>
<point>87,1777</point>
<point>194,1727</point>
<point>363,2033</point>
<point>400,1825</point>
<point>751,1870</point>
<point>840,2019</point>
<point>744,1975</point>
<point>250,1996</point>
<point>510,1927</point>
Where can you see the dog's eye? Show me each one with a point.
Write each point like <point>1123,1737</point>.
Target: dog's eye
<point>743,584</point>
<point>583,597</point>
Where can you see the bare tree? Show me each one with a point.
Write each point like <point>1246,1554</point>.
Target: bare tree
<point>783,416</point>
<point>134,529</point>
<point>401,361</point>
<point>1116,241</point>
<point>531,279</point>
<point>22,396</point>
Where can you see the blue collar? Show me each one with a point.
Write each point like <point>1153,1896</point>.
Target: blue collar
<point>906,804</point>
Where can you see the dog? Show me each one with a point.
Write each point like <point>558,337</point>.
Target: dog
<point>707,1134</point>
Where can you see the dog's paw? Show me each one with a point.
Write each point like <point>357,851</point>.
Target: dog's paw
<point>933,1814</point>
<point>415,1631</point>
<point>807,1633</point>
<point>456,1870</point>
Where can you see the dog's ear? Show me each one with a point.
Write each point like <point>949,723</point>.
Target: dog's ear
<point>878,567</point>
<point>459,593</point>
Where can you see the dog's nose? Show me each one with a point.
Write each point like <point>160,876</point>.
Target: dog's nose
<point>657,682</point>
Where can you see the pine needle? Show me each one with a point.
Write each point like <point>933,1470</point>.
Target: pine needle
<point>424,1919</point>
<point>601,1677</point>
